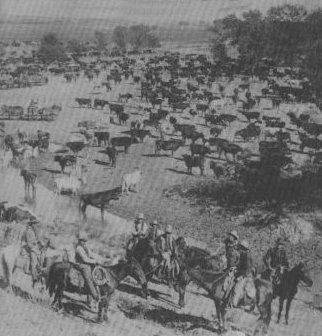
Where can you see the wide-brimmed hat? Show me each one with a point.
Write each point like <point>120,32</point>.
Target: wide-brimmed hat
<point>234,234</point>
<point>168,229</point>
<point>154,222</point>
<point>244,244</point>
<point>140,216</point>
<point>82,236</point>
<point>33,221</point>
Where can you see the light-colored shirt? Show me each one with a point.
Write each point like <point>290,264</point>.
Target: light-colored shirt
<point>86,257</point>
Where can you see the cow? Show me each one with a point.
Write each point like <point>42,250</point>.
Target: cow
<point>117,108</point>
<point>140,134</point>
<point>98,200</point>
<point>167,145</point>
<point>186,131</point>
<point>8,141</point>
<point>226,118</point>
<point>102,136</point>
<point>199,149</point>
<point>100,103</point>
<point>112,154</point>
<point>71,183</point>
<point>84,102</point>
<point>131,181</point>
<point>125,97</point>
<point>251,131</point>
<point>311,143</point>
<point>65,160</point>
<point>194,161</point>
<point>275,123</point>
<point>29,179</point>
<point>123,117</point>
<point>135,124</point>
<point>218,169</point>
<point>250,115</point>
<point>152,123</point>
<point>229,148</point>
<point>125,142</point>
<point>215,131</point>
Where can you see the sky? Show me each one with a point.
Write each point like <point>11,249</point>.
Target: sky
<point>158,12</point>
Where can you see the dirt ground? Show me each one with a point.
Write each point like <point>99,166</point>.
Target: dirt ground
<point>203,221</point>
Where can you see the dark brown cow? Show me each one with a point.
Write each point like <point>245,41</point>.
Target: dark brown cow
<point>65,160</point>
<point>125,142</point>
<point>102,136</point>
<point>194,161</point>
<point>167,145</point>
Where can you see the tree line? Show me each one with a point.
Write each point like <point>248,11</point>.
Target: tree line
<point>288,34</point>
<point>136,37</point>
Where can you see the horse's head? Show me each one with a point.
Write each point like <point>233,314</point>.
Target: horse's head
<point>303,274</point>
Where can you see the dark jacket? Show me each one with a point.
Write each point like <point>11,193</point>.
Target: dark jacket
<point>232,253</point>
<point>245,265</point>
<point>276,258</point>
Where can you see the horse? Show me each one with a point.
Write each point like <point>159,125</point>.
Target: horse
<point>11,257</point>
<point>29,180</point>
<point>214,284</point>
<point>288,287</point>
<point>61,275</point>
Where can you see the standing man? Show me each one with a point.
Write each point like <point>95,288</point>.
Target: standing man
<point>139,231</point>
<point>32,245</point>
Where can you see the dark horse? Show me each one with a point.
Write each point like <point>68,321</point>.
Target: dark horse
<point>62,278</point>
<point>151,262</point>
<point>288,287</point>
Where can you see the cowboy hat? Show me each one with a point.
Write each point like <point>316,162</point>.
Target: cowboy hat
<point>244,244</point>
<point>234,234</point>
<point>82,236</point>
<point>33,221</point>
<point>140,216</point>
<point>168,229</point>
<point>154,222</point>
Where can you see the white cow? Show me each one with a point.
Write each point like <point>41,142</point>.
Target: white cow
<point>131,181</point>
<point>67,183</point>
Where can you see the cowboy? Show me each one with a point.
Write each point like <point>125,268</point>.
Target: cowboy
<point>244,287</point>
<point>166,246</point>
<point>86,260</point>
<point>232,256</point>
<point>32,245</point>
<point>276,260</point>
<point>139,231</point>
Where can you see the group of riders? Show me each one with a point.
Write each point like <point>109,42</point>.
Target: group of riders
<point>240,264</point>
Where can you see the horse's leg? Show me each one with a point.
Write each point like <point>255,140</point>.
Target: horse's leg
<point>288,306</point>
<point>218,308</point>
<point>102,214</point>
<point>280,308</point>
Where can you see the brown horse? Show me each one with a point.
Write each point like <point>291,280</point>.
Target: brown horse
<point>62,278</point>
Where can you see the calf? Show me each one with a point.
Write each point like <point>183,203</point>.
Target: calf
<point>112,154</point>
<point>102,136</point>
<point>140,134</point>
<point>65,160</point>
<point>171,145</point>
<point>194,161</point>
<point>123,117</point>
<point>131,181</point>
<point>67,183</point>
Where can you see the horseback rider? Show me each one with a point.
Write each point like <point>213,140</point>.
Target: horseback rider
<point>244,275</point>
<point>86,259</point>
<point>139,231</point>
<point>166,246</point>
<point>276,260</point>
<point>32,245</point>
<point>232,256</point>
<point>153,232</point>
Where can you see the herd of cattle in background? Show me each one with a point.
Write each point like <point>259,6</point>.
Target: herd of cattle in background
<point>184,102</point>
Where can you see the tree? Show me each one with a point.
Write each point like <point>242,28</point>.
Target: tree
<point>51,49</point>
<point>140,36</point>
<point>100,39</point>
<point>75,46</point>
<point>120,36</point>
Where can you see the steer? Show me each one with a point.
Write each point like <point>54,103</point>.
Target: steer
<point>123,117</point>
<point>229,148</point>
<point>100,103</point>
<point>84,102</point>
<point>194,161</point>
<point>199,149</point>
<point>71,183</point>
<point>112,154</point>
<point>140,133</point>
<point>102,136</point>
<point>171,145</point>
<point>65,160</point>
<point>125,142</point>
<point>131,181</point>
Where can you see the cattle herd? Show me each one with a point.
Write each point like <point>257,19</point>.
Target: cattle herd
<point>216,117</point>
